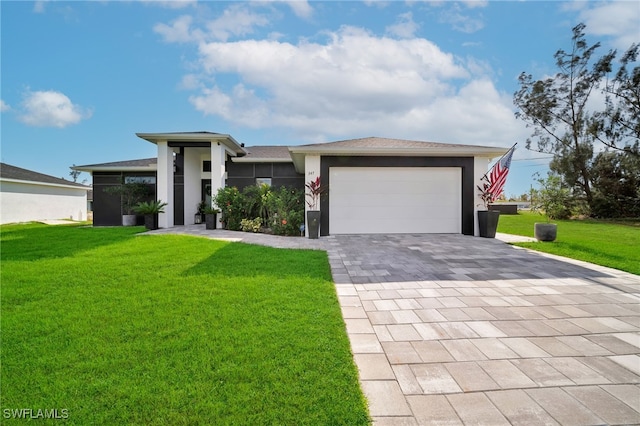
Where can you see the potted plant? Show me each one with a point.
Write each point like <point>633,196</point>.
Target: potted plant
<point>553,201</point>
<point>210,217</point>
<point>130,195</point>
<point>314,191</point>
<point>487,219</point>
<point>150,210</point>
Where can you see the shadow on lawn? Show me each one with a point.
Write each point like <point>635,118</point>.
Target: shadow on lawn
<point>248,260</point>
<point>38,241</point>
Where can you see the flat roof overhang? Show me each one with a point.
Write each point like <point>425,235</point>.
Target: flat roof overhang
<point>298,153</point>
<point>233,146</point>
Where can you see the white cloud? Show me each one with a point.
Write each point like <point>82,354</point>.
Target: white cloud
<point>461,21</point>
<point>4,106</point>
<point>355,84</point>
<point>472,4</point>
<point>51,109</point>
<point>619,20</point>
<point>458,16</point>
<point>171,4</point>
<point>237,20</point>
<point>405,26</point>
<point>179,31</point>
<point>38,6</point>
<point>380,4</point>
<point>301,8</point>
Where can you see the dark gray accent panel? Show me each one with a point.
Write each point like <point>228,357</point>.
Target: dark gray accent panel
<point>263,170</point>
<point>177,144</point>
<point>107,208</point>
<point>241,183</point>
<point>297,183</point>
<point>286,170</point>
<point>178,189</point>
<point>107,178</point>
<point>241,175</point>
<point>236,170</point>
<point>465,163</point>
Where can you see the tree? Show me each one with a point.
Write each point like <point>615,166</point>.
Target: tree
<point>553,198</point>
<point>556,108</point>
<point>616,185</point>
<point>618,126</point>
<point>74,174</point>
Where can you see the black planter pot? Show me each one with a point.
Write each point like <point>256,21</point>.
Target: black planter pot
<point>313,224</point>
<point>488,223</point>
<point>545,231</point>
<point>151,221</point>
<point>210,221</point>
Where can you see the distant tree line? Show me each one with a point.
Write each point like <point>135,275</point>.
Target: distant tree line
<point>588,117</point>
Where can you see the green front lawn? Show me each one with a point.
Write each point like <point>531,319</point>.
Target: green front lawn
<point>116,328</point>
<point>606,243</point>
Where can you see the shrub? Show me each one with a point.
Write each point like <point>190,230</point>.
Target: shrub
<point>286,211</point>
<point>249,225</point>
<point>281,209</point>
<point>231,203</point>
<point>256,199</point>
<point>552,199</point>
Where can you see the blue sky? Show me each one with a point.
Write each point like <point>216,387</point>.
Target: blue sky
<point>79,79</point>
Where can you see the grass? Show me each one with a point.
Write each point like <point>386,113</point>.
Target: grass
<point>606,243</point>
<point>123,329</point>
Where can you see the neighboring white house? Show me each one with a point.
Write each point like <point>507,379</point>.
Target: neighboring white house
<point>27,196</point>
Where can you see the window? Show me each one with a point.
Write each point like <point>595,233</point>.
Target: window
<point>206,166</point>
<point>150,180</point>
<point>263,181</point>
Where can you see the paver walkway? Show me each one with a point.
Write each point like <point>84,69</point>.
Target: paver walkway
<point>451,329</point>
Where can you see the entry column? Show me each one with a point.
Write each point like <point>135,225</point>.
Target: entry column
<point>164,183</point>
<point>218,167</point>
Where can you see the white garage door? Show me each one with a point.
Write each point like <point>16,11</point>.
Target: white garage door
<point>395,200</point>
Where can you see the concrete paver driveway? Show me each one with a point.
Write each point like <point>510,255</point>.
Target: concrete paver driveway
<point>451,329</point>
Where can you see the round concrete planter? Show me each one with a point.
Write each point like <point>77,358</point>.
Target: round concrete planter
<point>545,231</point>
<point>129,220</point>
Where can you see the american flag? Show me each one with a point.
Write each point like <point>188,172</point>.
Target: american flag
<point>498,174</point>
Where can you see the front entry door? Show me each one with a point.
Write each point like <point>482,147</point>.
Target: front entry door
<point>206,191</point>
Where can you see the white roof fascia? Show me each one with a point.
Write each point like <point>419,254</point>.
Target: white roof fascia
<point>430,152</point>
<point>149,168</point>
<point>260,160</point>
<point>233,145</point>
<point>298,152</point>
<point>36,183</point>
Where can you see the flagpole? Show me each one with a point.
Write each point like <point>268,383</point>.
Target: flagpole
<point>487,172</point>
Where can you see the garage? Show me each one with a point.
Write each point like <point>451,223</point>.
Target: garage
<point>370,200</point>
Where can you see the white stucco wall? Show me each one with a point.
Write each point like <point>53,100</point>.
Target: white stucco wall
<point>192,183</point>
<point>22,201</point>
<point>164,183</point>
<point>311,172</point>
<point>480,167</point>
